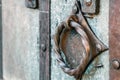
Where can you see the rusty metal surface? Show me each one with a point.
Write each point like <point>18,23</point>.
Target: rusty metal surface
<point>114,36</point>
<point>44,41</point>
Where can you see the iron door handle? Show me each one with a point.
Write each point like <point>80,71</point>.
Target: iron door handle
<point>92,46</point>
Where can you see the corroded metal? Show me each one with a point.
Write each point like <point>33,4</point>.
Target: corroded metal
<point>114,36</point>
<point>74,37</point>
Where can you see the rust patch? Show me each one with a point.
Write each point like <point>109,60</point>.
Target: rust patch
<point>114,34</point>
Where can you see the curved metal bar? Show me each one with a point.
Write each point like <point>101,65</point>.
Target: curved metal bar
<point>77,72</point>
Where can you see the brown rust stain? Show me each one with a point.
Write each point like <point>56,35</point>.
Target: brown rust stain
<point>114,34</point>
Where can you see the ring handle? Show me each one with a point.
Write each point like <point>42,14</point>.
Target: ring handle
<point>92,45</point>
<point>76,72</point>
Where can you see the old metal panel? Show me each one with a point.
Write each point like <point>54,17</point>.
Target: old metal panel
<point>114,34</point>
<point>44,40</point>
<point>20,41</point>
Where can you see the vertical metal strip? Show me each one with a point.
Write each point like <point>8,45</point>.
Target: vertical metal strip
<point>114,36</point>
<point>44,40</point>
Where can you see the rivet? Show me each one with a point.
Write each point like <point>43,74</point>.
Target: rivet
<point>43,47</point>
<point>88,2</point>
<point>116,64</point>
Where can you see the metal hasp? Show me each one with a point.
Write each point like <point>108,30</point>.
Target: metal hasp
<point>89,6</point>
<point>75,44</point>
<point>31,4</point>
<point>114,38</point>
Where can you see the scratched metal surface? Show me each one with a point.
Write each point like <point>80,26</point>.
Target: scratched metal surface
<point>99,24</point>
<point>20,41</point>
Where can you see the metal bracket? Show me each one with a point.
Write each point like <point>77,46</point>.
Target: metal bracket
<point>31,4</point>
<point>89,6</point>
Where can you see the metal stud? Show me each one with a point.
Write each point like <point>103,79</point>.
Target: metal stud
<point>115,64</point>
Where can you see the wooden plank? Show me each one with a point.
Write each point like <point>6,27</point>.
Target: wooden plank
<point>44,40</point>
<point>114,34</point>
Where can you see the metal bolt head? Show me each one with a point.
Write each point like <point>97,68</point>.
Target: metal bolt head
<point>116,64</point>
<point>88,2</point>
<point>43,47</point>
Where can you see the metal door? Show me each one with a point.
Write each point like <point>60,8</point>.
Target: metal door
<point>104,25</point>
<point>32,46</point>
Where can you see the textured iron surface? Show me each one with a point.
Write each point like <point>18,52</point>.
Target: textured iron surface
<point>20,41</point>
<point>114,34</point>
<point>44,40</point>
